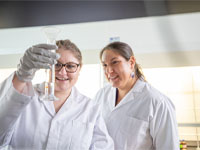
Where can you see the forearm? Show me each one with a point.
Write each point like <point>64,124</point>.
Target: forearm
<point>12,104</point>
<point>18,84</point>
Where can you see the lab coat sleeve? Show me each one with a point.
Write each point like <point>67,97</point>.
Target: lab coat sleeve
<point>101,139</point>
<point>163,127</point>
<point>12,104</point>
<point>98,98</point>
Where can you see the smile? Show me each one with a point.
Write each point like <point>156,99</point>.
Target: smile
<point>112,78</point>
<point>62,79</point>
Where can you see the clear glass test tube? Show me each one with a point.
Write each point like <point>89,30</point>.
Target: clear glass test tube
<point>51,34</point>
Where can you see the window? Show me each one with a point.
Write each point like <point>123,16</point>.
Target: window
<point>90,80</point>
<point>182,86</point>
<point>4,73</point>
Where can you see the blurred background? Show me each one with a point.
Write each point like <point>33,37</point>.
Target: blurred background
<point>164,35</point>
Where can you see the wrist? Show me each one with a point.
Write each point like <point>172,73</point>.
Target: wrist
<point>18,84</point>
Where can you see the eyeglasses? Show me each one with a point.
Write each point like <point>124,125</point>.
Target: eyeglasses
<point>69,67</point>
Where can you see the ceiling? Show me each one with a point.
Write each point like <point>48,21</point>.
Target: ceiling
<point>40,13</point>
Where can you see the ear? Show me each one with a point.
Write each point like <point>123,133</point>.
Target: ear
<point>132,62</point>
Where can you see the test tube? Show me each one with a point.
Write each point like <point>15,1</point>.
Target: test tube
<point>51,34</point>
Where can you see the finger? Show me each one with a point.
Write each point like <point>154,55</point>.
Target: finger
<point>44,52</point>
<point>31,63</point>
<point>46,46</point>
<point>43,59</point>
<point>40,65</point>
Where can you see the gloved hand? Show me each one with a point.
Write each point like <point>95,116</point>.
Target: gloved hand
<point>36,57</point>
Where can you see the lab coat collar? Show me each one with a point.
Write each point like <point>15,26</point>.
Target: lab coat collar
<point>49,104</point>
<point>71,100</point>
<point>138,87</point>
<point>130,96</point>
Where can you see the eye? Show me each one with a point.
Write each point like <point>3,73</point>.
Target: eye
<point>71,66</point>
<point>58,65</point>
<point>114,62</point>
<point>104,65</point>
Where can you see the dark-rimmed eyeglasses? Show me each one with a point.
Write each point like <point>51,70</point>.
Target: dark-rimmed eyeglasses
<point>69,67</point>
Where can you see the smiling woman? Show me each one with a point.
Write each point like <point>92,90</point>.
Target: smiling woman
<point>27,122</point>
<point>137,115</point>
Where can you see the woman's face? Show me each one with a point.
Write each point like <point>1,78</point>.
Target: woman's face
<point>117,69</point>
<point>63,79</point>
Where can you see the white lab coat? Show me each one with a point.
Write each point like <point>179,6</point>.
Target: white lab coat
<point>143,120</point>
<point>26,122</point>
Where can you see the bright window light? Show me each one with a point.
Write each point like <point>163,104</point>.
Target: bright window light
<point>182,86</point>
<point>89,81</point>
<point>5,73</point>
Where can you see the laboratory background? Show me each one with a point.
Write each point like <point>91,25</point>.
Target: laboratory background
<point>164,35</point>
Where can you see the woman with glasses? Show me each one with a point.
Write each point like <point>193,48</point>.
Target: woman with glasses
<point>138,117</point>
<point>73,122</point>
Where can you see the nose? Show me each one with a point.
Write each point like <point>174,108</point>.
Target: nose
<point>109,69</point>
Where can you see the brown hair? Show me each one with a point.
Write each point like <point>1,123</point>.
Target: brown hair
<point>125,51</point>
<point>68,45</point>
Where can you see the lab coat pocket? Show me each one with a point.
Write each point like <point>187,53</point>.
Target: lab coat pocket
<point>133,132</point>
<point>82,135</point>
